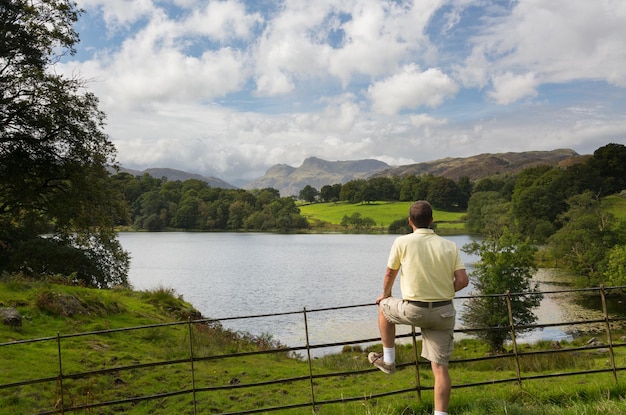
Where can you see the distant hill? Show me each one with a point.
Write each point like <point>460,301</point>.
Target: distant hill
<point>316,173</point>
<point>173,175</point>
<point>484,165</point>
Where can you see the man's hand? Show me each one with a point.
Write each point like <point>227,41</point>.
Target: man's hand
<point>382,297</point>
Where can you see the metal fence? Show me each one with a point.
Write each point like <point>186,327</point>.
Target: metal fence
<point>63,376</point>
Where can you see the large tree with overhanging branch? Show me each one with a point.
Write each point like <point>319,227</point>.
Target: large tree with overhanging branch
<point>57,206</point>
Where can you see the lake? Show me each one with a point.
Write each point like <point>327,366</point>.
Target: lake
<point>227,275</point>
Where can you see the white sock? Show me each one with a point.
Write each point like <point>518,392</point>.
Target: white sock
<point>389,354</point>
<point>440,413</point>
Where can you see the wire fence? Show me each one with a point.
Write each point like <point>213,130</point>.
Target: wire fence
<point>196,384</point>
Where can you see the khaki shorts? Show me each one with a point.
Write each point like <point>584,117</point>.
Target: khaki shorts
<point>436,324</point>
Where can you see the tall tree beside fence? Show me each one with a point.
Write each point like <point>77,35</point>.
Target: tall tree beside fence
<point>506,265</point>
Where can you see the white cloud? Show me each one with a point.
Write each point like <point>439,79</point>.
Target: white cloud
<point>411,89</point>
<point>223,21</point>
<point>548,41</point>
<point>120,13</point>
<point>230,87</point>
<point>508,87</point>
<point>338,117</point>
<point>425,120</point>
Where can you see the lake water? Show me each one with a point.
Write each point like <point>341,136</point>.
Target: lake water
<point>229,275</point>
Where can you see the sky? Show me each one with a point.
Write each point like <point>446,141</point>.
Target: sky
<point>229,88</point>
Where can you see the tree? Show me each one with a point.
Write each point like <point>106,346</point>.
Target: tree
<point>506,265</point>
<point>381,188</point>
<point>355,220</point>
<point>538,199</point>
<point>409,188</point>
<point>465,191</point>
<point>487,214</point>
<point>587,235</point>
<point>353,191</point>
<point>330,193</point>
<point>53,155</point>
<point>443,193</point>
<point>610,162</point>
<point>309,194</point>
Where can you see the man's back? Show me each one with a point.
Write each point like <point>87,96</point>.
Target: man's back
<point>427,263</point>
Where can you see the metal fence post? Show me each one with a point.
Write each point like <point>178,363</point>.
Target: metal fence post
<point>193,373</point>
<point>513,338</point>
<point>308,353</point>
<point>61,402</point>
<point>608,331</point>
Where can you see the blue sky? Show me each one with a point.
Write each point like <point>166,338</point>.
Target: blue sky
<point>230,88</point>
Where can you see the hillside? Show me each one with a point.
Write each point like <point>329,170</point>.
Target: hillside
<point>173,175</point>
<point>317,173</point>
<point>483,165</point>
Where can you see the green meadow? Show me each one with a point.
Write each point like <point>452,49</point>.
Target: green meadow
<point>329,215</point>
<point>249,380</point>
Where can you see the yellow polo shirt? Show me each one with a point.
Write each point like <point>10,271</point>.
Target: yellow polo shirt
<point>427,263</point>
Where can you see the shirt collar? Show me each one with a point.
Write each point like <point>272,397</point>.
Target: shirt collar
<point>423,230</point>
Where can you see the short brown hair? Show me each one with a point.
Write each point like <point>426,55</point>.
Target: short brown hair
<point>421,214</point>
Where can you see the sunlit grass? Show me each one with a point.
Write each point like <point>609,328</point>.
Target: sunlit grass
<point>616,205</point>
<point>214,372</point>
<point>383,213</point>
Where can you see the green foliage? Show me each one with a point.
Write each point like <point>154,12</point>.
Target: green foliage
<point>193,205</point>
<point>53,155</point>
<point>309,194</point>
<point>172,304</point>
<point>506,265</point>
<point>353,191</point>
<point>615,273</point>
<point>564,206</point>
<point>587,235</point>
<point>538,198</point>
<point>610,163</point>
<point>330,193</point>
<point>400,226</point>
<point>487,214</point>
<point>357,222</point>
<point>444,193</point>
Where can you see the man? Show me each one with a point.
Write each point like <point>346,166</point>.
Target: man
<point>431,272</point>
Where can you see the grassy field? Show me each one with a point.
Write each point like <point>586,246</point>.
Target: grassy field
<point>49,309</point>
<point>383,213</point>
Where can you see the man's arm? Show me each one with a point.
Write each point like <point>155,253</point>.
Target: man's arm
<point>460,279</point>
<point>390,277</point>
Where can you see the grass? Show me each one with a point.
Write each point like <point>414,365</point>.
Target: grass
<point>49,309</point>
<point>616,205</point>
<point>383,213</point>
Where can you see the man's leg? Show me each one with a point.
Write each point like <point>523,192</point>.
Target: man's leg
<point>385,361</point>
<point>443,385</point>
<point>387,330</point>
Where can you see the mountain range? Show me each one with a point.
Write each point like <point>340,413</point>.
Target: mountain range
<point>317,172</point>
<point>173,175</point>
